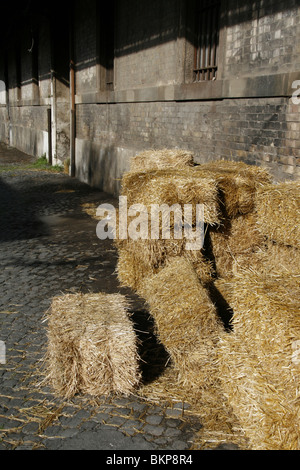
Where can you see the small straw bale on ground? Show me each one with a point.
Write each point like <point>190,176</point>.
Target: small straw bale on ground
<point>92,346</point>
<point>278,213</point>
<point>161,159</point>
<point>238,184</point>
<point>234,244</point>
<point>259,363</point>
<point>186,321</point>
<point>173,187</point>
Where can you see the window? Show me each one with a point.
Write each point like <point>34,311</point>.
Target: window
<point>207,40</point>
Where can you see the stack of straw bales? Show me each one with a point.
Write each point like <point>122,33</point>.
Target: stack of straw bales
<point>140,258</point>
<point>259,362</point>
<point>252,260</point>
<point>92,347</point>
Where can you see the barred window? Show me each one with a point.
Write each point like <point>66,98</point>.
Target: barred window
<point>207,40</point>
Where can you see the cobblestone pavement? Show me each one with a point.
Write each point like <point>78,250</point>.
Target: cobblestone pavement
<point>48,246</point>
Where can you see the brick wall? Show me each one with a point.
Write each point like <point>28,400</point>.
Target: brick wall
<point>262,37</point>
<point>146,47</point>
<point>263,131</point>
<point>246,114</point>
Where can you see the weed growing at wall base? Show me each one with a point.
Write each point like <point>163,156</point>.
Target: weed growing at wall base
<point>155,222</point>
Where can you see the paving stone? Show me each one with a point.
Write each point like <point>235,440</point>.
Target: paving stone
<point>30,428</point>
<point>115,421</point>
<point>68,432</point>
<point>172,432</point>
<point>179,445</point>
<point>153,430</point>
<point>173,423</point>
<point>155,420</point>
<point>174,413</point>
<point>100,417</point>
<point>52,431</point>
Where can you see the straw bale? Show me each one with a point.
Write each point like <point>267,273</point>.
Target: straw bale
<point>189,328</point>
<point>271,258</point>
<point>275,258</point>
<point>259,362</point>
<point>138,259</point>
<point>131,267</point>
<point>161,159</point>
<point>238,168</point>
<point>264,302</point>
<point>92,347</point>
<point>173,187</point>
<point>186,320</point>
<point>278,213</point>
<point>268,420</point>
<point>235,243</point>
<point>238,184</point>
<point>281,258</point>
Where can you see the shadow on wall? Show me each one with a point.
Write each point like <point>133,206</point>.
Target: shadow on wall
<point>101,167</point>
<point>154,27</point>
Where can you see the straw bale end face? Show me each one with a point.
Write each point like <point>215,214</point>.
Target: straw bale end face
<point>92,346</point>
<point>278,212</point>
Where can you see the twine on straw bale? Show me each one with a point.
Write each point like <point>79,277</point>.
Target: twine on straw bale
<point>161,159</point>
<point>278,213</point>
<point>259,362</point>
<point>92,347</point>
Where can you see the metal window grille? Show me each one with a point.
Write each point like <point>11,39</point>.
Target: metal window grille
<point>207,34</point>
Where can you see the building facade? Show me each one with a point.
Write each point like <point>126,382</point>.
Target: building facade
<point>101,81</point>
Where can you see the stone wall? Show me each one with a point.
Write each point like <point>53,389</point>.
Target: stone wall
<point>262,38</point>
<point>257,131</point>
<point>151,101</point>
